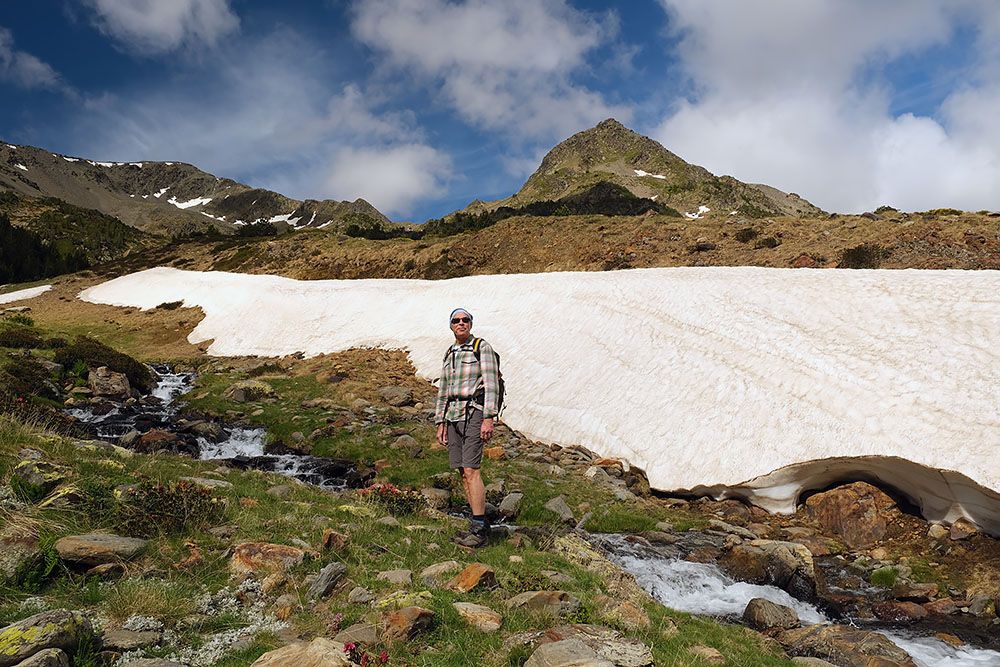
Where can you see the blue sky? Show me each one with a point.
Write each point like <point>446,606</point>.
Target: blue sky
<point>421,106</point>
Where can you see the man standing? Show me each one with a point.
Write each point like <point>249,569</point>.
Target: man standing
<point>464,413</point>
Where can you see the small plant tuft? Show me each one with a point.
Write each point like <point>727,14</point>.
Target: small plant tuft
<point>767,242</point>
<point>864,256</point>
<point>885,577</point>
<point>96,354</point>
<point>170,305</point>
<point>746,234</point>
<point>395,500</point>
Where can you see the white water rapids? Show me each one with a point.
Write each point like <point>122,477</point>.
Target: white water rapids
<point>698,588</point>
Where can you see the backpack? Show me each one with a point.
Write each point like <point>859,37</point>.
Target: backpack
<point>480,396</point>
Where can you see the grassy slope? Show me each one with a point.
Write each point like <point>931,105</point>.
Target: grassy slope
<point>307,511</point>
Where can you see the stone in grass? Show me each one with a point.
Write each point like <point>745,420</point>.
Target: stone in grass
<point>50,657</point>
<point>359,633</point>
<point>433,574</point>
<point>438,499</point>
<point>482,618</point>
<point>127,640</point>
<point>622,613</point>
<point>390,521</point>
<point>707,653</point>
<point>559,507</point>
<point>152,662</point>
<point>320,652</point>
<point>59,629</point>
<point>98,548</point>
<point>17,554</point>
<point>408,622</point>
<point>566,653</point>
<point>510,506</point>
<point>398,577</point>
<point>208,484</point>
<point>256,558</point>
<point>396,396</point>
<point>609,644</point>
<point>555,603</point>
<point>334,541</point>
<point>359,595</point>
<point>327,580</point>
<point>474,575</point>
<point>762,614</point>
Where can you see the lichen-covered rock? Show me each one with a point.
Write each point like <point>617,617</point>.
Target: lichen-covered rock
<point>59,629</point>
<point>17,555</point>
<point>248,390</point>
<point>50,657</point>
<point>34,479</point>
<point>98,548</point>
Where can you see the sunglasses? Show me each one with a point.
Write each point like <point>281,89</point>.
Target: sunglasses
<point>463,320</point>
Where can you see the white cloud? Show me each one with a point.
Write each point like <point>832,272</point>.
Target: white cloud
<point>795,95</point>
<point>392,178</point>
<point>25,70</point>
<point>159,26</point>
<point>502,65</point>
<point>268,115</point>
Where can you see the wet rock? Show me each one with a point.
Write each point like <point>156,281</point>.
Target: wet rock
<point>962,529</point>
<point>566,653</point>
<point>327,580</point>
<point>98,548</point>
<point>474,575</point>
<point>845,646</point>
<point>408,622</point>
<point>211,431</point>
<point>50,657</point>
<point>261,558</point>
<point>898,612</point>
<point>858,513</point>
<point>555,603</point>
<point>786,565</point>
<point>57,629</point>
<point>157,440</point>
<point>432,575</point>
<point>762,614</point>
<point>909,592</point>
<point>320,652</point>
<point>559,507</point>
<point>396,396</point>
<point>942,607</point>
<point>482,618</point>
<point>105,382</point>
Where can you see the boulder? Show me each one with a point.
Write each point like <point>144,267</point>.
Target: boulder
<point>559,507</point>
<point>50,657</point>
<point>566,653</point>
<point>555,603</point>
<point>786,565</point>
<point>396,396</point>
<point>98,548</point>
<point>474,575</point>
<point>58,629</point>
<point>845,646</point>
<point>327,580</point>
<point>106,382</point>
<point>408,622</point>
<point>859,513</point>
<point>482,618</point>
<point>762,614</point>
<point>320,652</point>
<point>260,558</point>
<point>962,529</point>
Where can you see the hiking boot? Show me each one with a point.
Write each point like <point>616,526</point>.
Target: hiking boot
<point>477,536</point>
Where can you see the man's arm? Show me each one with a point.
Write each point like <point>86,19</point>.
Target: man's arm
<point>442,397</point>
<point>491,380</point>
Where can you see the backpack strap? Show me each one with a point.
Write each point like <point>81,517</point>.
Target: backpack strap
<point>475,348</point>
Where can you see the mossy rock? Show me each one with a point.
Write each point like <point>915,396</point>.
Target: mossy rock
<point>60,628</point>
<point>33,480</point>
<point>248,390</point>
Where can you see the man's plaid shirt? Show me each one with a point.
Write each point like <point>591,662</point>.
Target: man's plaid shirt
<point>462,375</point>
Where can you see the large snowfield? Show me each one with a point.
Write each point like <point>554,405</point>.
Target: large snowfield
<point>741,381</point>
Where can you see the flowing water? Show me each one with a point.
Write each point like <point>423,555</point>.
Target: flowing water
<point>242,446</point>
<point>699,588</point>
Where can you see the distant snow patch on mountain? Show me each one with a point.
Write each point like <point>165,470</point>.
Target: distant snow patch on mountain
<point>161,192</point>
<point>201,201</point>
<point>640,172</point>
<point>21,166</point>
<point>702,210</point>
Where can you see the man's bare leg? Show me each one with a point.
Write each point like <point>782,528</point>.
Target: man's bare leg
<point>475,491</point>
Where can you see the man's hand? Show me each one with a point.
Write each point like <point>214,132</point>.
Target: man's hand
<point>486,431</point>
<point>443,433</point>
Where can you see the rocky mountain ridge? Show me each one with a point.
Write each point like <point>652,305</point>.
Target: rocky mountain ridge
<point>174,198</point>
<point>612,152</point>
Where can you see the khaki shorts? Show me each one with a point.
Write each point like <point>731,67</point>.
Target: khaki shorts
<point>465,442</point>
